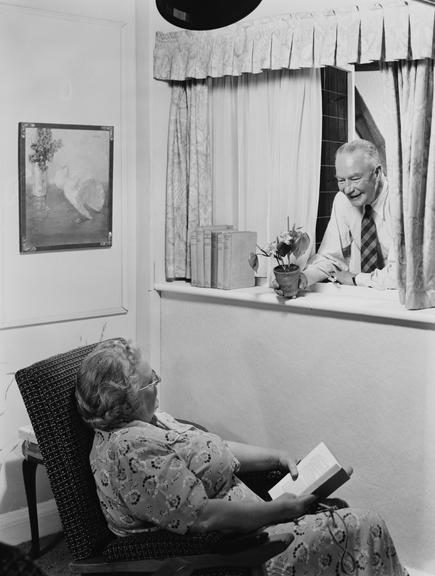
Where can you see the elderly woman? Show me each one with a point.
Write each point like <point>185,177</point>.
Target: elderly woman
<point>152,471</point>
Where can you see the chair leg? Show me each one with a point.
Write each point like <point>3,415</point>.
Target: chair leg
<point>29,475</point>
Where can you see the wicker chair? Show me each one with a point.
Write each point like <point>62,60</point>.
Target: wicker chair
<point>47,388</point>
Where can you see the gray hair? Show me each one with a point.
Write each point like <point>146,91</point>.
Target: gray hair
<point>368,148</point>
<point>107,385</point>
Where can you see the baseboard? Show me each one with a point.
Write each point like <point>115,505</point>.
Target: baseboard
<point>15,525</point>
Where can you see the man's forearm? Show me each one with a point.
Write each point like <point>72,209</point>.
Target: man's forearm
<point>318,271</point>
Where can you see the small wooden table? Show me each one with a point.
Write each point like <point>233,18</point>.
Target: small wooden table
<point>32,457</point>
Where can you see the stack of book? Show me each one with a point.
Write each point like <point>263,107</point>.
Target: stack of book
<point>219,257</point>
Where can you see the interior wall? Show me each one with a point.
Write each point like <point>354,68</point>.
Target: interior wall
<point>68,62</point>
<point>290,379</point>
<point>152,133</point>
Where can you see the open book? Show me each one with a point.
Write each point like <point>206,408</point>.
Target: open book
<point>319,474</point>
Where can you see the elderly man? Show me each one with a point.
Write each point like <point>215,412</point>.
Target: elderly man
<point>357,247</point>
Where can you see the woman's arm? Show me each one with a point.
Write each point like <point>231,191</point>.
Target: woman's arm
<point>231,516</point>
<point>255,458</point>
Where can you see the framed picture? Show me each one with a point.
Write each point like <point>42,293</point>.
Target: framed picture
<point>65,186</point>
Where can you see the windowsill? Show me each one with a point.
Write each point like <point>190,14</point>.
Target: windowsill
<point>326,299</point>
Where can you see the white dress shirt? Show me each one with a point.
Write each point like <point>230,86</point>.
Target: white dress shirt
<point>341,245</point>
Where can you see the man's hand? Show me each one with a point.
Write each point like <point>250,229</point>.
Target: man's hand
<point>345,277</point>
<point>303,281</point>
<point>275,286</point>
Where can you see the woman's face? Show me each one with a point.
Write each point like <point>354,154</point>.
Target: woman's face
<point>148,382</point>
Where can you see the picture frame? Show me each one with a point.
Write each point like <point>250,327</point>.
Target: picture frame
<point>65,186</point>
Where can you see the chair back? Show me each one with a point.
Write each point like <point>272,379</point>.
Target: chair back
<point>47,388</point>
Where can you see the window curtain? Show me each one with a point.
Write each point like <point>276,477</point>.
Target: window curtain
<point>188,185</point>
<point>386,30</point>
<point>266,146</point>
<point>410,145</point>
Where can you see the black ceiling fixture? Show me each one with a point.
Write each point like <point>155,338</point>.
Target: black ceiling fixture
<point>205,14</point>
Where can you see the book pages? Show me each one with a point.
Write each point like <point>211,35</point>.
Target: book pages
<point>314,470</point>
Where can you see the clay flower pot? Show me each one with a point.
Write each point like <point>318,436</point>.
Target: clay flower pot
<point>288,280</point>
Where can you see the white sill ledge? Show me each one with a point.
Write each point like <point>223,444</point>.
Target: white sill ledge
<point>325,299</point>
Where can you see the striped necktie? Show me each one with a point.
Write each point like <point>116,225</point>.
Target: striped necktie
<point>371,255</point>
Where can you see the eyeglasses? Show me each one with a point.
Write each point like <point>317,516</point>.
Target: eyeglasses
<point>156,380</point>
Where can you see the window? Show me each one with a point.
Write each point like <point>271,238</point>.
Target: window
<point>335,132</point>
<point>350,109</point>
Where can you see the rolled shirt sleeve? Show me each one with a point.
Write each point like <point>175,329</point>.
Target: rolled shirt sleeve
<point>334,251</point>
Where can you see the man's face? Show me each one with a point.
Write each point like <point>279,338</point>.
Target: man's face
<point>356,178</point>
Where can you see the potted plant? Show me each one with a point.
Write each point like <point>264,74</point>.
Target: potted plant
<point>292,242</point>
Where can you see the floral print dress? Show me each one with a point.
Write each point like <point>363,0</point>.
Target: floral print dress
<point>161,475</point>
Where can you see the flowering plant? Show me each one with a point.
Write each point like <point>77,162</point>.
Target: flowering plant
<point>44,148</point>
<point>291,241</point>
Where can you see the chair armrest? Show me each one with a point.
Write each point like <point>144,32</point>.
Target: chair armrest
<point>234,542</point>
<point>252,557</point>
<point>183,566</point>
<point>161,544</point>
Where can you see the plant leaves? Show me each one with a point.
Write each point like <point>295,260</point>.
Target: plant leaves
<point>301,244</point>
<point>283,249</point>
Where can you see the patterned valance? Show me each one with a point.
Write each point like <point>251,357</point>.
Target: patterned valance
<point>385,31</point>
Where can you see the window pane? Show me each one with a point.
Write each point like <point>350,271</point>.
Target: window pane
<point>334,134</point>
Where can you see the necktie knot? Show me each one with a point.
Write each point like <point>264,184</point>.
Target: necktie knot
<point>368,210</point>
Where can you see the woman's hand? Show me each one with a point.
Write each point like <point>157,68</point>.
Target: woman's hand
<point>295,506</point>
<point>287,464</point>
